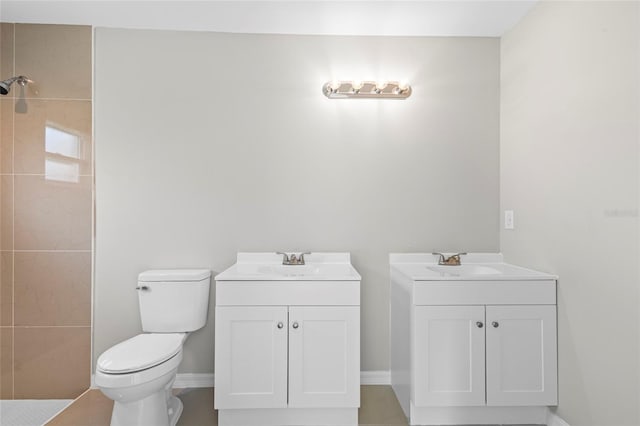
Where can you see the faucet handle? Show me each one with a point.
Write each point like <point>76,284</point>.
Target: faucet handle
<point>454,259</point>
<point>285,257</point>
<point>301,257</point>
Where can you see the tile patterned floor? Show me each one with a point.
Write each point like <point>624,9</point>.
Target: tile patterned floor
<point>27,412</point>
<point>379,407</point>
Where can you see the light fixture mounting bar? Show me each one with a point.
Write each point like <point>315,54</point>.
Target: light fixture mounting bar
<point>366,89</point>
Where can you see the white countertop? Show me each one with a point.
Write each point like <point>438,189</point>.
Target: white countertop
<point>474,267</point>
<point>269,267</point>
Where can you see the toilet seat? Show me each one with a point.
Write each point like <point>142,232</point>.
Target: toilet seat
<point>140,352</point>
<point>125,380</point>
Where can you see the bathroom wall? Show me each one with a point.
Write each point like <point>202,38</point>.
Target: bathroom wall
<point>569,156</point>
<point>208,144</point>
<point>46,212</point>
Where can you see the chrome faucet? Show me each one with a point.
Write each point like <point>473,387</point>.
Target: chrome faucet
<point>292,259</point>
<point>453,260</point>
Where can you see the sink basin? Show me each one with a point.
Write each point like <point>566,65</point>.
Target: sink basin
<point>459,270</point>
<point>475,267</point>
<point>288,270</point>
<point>269,267</point>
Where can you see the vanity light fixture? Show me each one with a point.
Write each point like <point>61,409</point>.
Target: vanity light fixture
<point>366,89</point>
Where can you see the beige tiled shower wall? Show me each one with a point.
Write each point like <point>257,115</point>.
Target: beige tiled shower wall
<point>46,186</point>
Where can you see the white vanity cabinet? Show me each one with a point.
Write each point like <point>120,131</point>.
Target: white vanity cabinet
<point>517,344</point>
<point>251,356</point>
<point>279,356</point>
<point>479,342</point>
<point>449,355</point>
<point>521,347</point>
<point>324,356</point>
<point>287,343</point>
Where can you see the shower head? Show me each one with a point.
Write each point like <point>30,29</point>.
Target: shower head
<point>6,84</point>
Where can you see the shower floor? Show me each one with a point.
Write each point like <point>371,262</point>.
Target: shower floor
<point>30,412</point>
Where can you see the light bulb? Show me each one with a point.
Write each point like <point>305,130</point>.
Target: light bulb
<point>381,85</point>
<point>328,90</point>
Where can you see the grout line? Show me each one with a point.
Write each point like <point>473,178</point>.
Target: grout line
<point>48,326</point>
<point>13,359</point>
<point>58,99</point>
<point>71,250</point>
<point>13,230</point>
<point>38,174</point>
<point>93,200</point>
<point>52,251</point>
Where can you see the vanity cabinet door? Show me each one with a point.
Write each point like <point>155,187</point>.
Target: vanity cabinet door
<point>251,357</point>
<point>521,355</point>
<point>448,358</point>
<point>324,356</point>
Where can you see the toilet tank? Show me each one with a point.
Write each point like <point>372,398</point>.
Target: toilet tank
<point>173,300</point>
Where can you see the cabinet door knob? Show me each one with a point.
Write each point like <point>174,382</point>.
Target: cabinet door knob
<point>479,324</point>
<point>295,325</point>
<point>280,325</point>
<point>495,324</point>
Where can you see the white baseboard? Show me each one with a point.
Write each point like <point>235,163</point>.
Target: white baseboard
<point>555,420</point>
<point>382,377</point>
<point>190,380</point>
<point>478,415</point>
<point>207,380</point>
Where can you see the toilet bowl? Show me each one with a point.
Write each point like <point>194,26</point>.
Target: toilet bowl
<point>138,373</point>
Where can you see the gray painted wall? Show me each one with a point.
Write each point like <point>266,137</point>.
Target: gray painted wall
<point>208,144</point>
<point>569,169</point>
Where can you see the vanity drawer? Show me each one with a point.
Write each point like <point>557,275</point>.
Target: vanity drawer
<point>308,293</point>
<point>529,292</point>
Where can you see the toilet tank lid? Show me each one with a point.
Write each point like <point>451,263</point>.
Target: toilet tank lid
<point>164,275</point>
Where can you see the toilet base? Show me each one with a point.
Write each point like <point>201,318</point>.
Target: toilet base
<point>158,409</point>
<point>174,410</point>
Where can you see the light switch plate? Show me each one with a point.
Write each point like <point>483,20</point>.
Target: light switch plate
<point>508,219</point>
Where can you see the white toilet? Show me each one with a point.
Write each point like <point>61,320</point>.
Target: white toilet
<point>138,373</point>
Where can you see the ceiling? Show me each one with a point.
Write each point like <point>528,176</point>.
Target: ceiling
<point>389,18</point>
